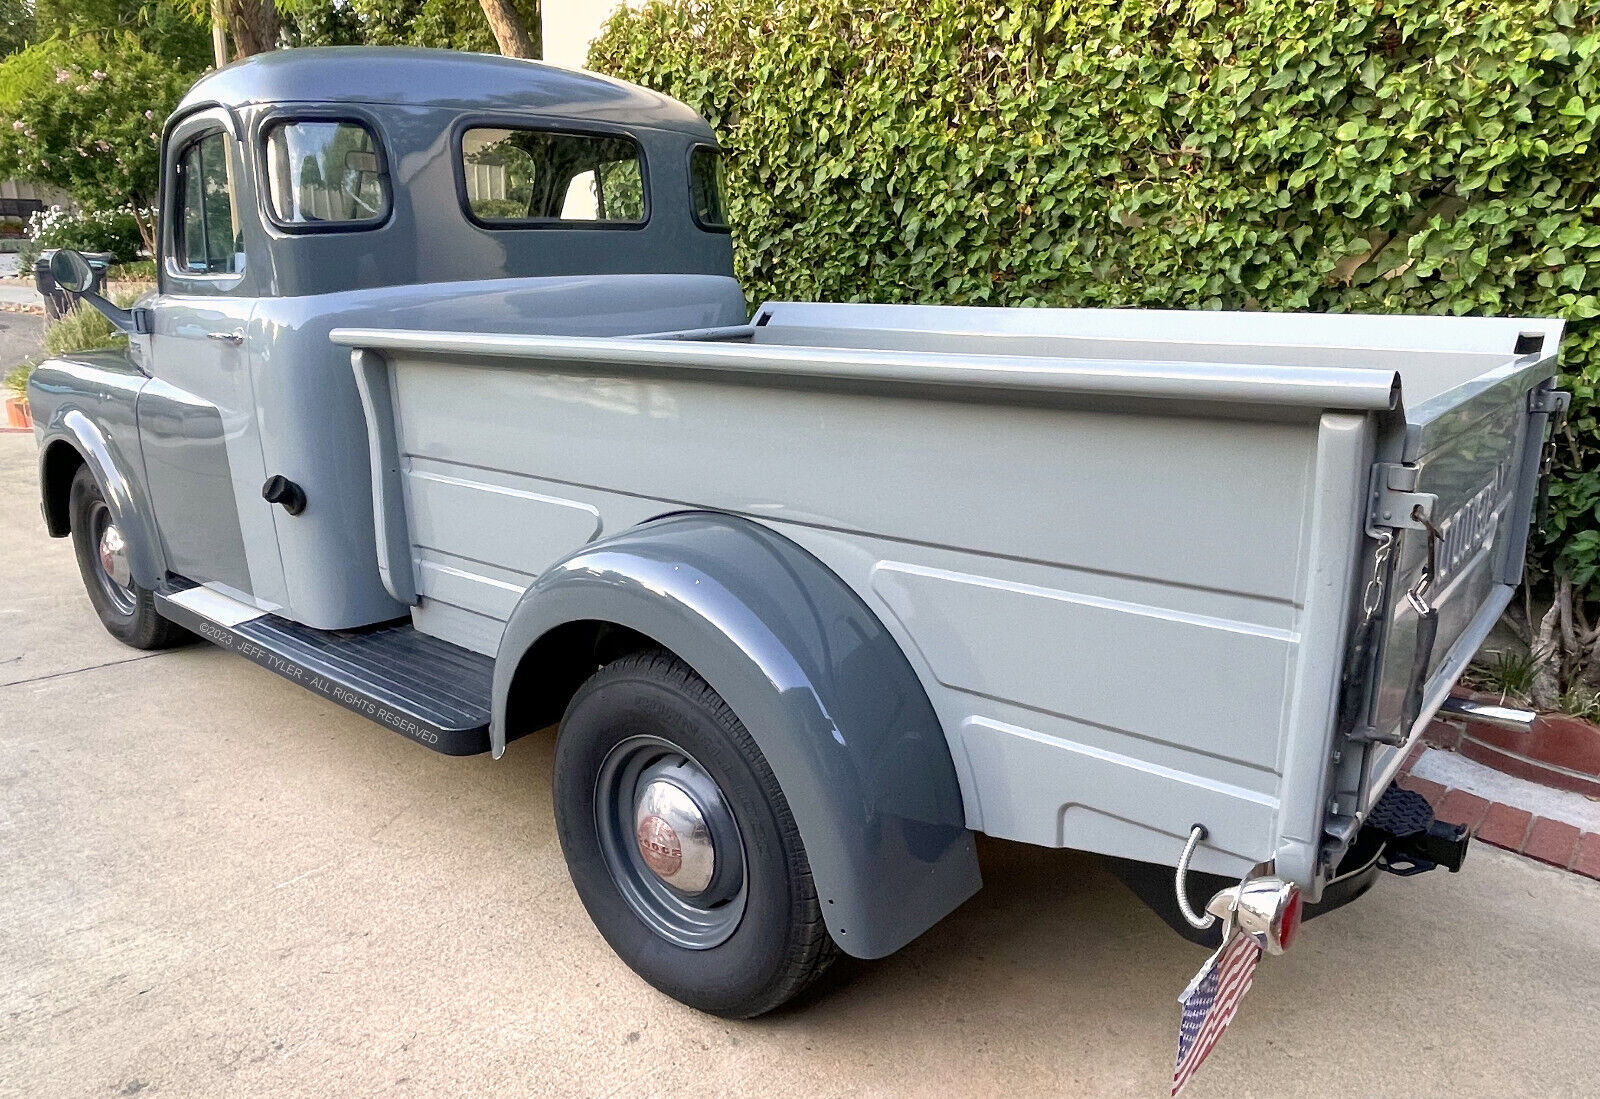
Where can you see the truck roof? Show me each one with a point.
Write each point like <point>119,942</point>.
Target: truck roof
<point>437,78</point>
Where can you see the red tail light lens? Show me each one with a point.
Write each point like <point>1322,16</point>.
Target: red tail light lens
<point>1290,923</point>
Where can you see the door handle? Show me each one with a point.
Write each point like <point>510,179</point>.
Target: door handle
<point>232,338</point>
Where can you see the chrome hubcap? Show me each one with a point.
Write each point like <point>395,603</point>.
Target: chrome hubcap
<point>115,573</point>
<point>670,842</point>
<point>114,556</point>
<point>673,837</point>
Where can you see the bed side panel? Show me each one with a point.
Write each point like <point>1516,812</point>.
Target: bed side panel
<point>1103,603</point>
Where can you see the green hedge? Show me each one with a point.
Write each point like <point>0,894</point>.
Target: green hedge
<point>1424,156</point>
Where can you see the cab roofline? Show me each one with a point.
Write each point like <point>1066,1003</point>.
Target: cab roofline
<point>437,78</point>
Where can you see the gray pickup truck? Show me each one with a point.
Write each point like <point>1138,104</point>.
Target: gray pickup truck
<point>449,407</point>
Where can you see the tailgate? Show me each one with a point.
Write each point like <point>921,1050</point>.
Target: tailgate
<point>1459,497</point>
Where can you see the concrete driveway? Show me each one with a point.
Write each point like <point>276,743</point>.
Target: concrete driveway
<point>213,883</point>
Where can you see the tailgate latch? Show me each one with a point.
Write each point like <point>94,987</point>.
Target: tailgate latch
<point>1394,502</point>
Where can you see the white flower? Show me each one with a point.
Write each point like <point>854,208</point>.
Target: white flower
<point>62,76</point>
<point>98,75</point>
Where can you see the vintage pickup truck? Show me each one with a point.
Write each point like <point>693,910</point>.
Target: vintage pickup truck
<point>449,407</point>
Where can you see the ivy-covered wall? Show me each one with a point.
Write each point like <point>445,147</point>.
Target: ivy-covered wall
<point>1428,156</point>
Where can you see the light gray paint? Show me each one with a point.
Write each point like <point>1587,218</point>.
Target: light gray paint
<point>1125,582</point>
<point>1038,376</point>
<point>306,394</point>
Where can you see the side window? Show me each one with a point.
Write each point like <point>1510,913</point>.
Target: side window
<point>705,188</point>
<point>325,174</point>
<point>208,229</point>
<point>522,176</point>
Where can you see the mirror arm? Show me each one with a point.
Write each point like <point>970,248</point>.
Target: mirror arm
<point>131,321</point>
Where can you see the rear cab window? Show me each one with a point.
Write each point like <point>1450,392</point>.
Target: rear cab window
<point>325,174</point>
<point>531,177</point>
<point>706,195</point>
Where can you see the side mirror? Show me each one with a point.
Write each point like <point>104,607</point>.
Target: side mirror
<point>71,271</point>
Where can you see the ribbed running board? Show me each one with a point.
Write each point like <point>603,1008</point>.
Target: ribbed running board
<point>429,690</point>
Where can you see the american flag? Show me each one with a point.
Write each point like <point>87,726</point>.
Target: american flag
<point>1210,1002</point>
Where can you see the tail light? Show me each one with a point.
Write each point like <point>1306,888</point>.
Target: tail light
<point>1268,910</point>
<point>1290,923</point>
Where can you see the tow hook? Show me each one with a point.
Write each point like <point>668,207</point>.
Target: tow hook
<point>1413,841</point>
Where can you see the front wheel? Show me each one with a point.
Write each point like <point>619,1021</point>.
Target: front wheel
<point>681,845</point>
<point>127,610</point>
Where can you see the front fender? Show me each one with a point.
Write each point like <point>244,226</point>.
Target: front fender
<point>89,406</point>
<point>822,687</point>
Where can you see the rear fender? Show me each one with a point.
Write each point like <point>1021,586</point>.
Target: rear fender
<point>822,687</point>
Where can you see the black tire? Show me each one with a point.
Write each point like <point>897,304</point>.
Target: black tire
<point>127,611</point>
<point>779,944</point>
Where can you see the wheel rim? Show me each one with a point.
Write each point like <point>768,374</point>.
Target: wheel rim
<point>112,567</point>
<point>670,842</point>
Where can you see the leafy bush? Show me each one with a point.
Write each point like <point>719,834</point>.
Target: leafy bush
<point>114,231</point>
<point>1416,156</point>
<point>83,328</point>
<point>92,126</point>
<point>142,270</point>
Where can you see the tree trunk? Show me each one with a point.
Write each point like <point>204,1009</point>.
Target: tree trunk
<point>509,30</point>
<point>146,224</point>
<point>253,26</point>
<point>219,34</point>
<point>1545,692</point>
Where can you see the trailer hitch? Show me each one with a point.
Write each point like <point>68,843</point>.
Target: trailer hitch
<point>1414,842</point>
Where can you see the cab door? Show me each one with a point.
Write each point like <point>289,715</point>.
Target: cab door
<point>197,417</point>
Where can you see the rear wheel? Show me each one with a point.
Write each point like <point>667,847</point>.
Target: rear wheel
<point>127,610</point>
<point>681,845</point>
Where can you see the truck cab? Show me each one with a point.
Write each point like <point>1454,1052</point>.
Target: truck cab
<point>307,189</point>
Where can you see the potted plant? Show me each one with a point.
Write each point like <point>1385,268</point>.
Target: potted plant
<point>16,393</point>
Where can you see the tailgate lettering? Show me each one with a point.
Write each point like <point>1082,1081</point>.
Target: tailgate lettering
<point>1470,525</point>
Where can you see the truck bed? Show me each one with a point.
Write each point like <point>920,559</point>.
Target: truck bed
<point>1121,549</point>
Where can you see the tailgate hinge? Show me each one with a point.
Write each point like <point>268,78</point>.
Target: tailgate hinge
<point>1393,502</point>
<point>1553,402</point>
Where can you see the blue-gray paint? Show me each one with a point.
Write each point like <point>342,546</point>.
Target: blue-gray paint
<point>86,401</point>
<point>824,690</point>
<point>191,488</point>
<point>446,78</point>
<point>416,102</point>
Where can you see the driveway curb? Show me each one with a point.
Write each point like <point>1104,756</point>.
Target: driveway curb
<point>1512,817</point>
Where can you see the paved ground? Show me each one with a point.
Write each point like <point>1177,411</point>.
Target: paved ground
<point>214,884</point>
<point>21,336</point>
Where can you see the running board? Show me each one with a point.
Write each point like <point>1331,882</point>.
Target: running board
<point>429,690</point>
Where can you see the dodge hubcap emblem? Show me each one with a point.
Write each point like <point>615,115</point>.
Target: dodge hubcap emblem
<point>659,845</point>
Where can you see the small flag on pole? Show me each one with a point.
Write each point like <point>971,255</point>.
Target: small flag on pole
<point>1210,1001</point>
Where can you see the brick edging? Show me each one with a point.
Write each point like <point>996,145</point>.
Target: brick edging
<point>1549,841</point>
